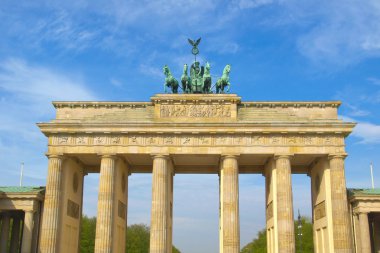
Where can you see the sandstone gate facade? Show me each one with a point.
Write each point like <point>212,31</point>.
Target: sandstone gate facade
<point>197,133</point>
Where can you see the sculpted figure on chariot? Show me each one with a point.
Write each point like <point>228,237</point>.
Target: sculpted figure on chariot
<point>199,80</point>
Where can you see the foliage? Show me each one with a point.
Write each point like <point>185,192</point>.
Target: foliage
<point>259,244</point>
<point>138,237</point>
<point>87,236</point>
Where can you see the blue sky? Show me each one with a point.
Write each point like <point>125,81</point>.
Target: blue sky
<point>114,50</point>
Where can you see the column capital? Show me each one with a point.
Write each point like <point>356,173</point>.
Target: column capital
<point>283,156</point>
<point>163,156</point>
<point>106,155</point>
<point>337,156</point>
<point>230,155</point>
<point>59,156</point>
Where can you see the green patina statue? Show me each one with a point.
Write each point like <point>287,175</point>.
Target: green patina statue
<point>224,80</point>
<point>195,49</point>
<point>199,80</point>
<point>196,77</point>
<point>185,80</point>
<point>170,81</point>
<point>207,79</point>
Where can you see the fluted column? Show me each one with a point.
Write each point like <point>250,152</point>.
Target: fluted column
<point>4,232</point>
<point>284,196</point>
<point>365,238</point>
<point>339,205</point>
<point>160,223</point>
<point>27,233</point>
<point>229,203</point>
<point>53,197</point>
<point>103,238</point>
<point>15,237</point>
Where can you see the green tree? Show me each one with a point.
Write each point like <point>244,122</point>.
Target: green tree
<point>138,237</point>
<point>259,244</point>
<point>306,243</point>
<point>87,236</point>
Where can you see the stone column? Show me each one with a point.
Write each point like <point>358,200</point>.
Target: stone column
<point>284,196</point>
<point>15,238</point>
<point>27,234</point>
<point>170,215</point>
<point>229,203</point>
<point>160,223</point>
<point>365,237</point>
<point>339,205</point>
<point>4,232</point>
<point>52,207</point>
<point>376,234</point>
<point>103,238</point>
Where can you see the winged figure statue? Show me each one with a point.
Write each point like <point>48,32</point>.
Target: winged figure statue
<point>195,44</point>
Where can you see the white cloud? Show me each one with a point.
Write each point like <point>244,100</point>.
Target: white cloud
<point>246,4</point>
<point>342,33</point>
<point>355,111</point>
<point>367,132</point>
<point>151,71</point>
<point>26,92</point>
<point>115,82</point>
<point>374,80</point>
<point>37,83</point>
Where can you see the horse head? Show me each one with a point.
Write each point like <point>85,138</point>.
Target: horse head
<point>227,69</point>
<point>185,69</point>
<point>166,70</point>
<point>208,67</point>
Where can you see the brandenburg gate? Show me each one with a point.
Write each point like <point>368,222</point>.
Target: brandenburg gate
<point>195,133</point>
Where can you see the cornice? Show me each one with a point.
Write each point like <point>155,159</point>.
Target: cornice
<point>96,104</point>
<point>216,128</point>
<point>291,104</point>
<point>196,99</point>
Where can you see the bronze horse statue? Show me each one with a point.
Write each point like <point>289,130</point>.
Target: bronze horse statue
<point>185,80</point>
<point>224,80</point>
<point>170,81</point>
<point>207,79</point>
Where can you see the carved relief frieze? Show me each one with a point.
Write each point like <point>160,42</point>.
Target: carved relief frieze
<point>196,139</point>
<point>62,140</point>
<point>99,140</point>
<point>195,111</point>
<point>169,140</point>
<point>81,140</point>
<point>204,140</point>
<point>187,140</point>
<point>258,140</point>
<point>115,140</point>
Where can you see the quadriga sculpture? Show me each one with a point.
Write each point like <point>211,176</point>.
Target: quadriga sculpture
<point>224,80</point>
<point>185,80</point>
<point>170,81</point>
<point>207,79</point>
